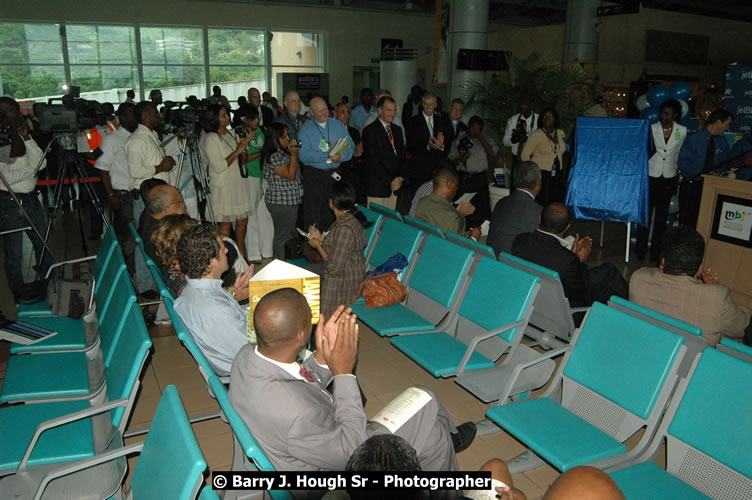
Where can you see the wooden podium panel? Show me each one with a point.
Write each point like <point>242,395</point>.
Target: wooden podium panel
<point>732,263</point>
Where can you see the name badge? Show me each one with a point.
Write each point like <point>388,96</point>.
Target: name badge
<point>323,145</point>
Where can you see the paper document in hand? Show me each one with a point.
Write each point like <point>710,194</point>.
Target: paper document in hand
<point>279,274</point>
<point>402,408</point>
<point>464,198</point>
<point>339,147</point>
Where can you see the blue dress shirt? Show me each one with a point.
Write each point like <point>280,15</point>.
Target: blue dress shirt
<point>294,123</point>
<point>313,136</point>
<point>693,152</point>
<point>359,116</point>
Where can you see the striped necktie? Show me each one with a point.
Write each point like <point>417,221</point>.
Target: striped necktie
<point>391,137</point>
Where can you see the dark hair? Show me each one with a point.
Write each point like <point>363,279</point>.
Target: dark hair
<point>719,114</point>
<point>141,108</point>
<point>526,174</point>
<point>457,101</point>
<point>274,132</point>
<point>146,186</point>
<point>196,248</point>
<point>443,173</point>
<point>475,120</point>
<point>383,100</point>
<point>674,106</point>
<point>108,108</point>
<point>125,108</point>
<point>682,251</point>
<point>212,125</point>
<point>380,453</point>
<point>343,198</point>
<point>366,90</point>
<point>555,217</point>
<point>557,120</point>
<point>130,93</point>
<point>242,100</point>
<point>249,111</point>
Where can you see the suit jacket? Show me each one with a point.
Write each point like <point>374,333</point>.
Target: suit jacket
<point>512,215</point>
<point>267,114</point>
<point>664,158</point>
<point>425,160</point>
<point>382,163</point>
<point>708,306</point>
<point>545,250</point>
<point>461,127</point>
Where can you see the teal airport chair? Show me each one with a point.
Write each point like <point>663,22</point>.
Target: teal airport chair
<point>49,433</point>
<point>706,429</point>
<point>492,317</point>
<point>396,237</point>
<point>736,349</point>
<point>374,230</point>
<point>432,292</point>
<point>616,380</point>
<point>476,246</point>
<point>387,212</point>
<point>101,260</point>
<point>247,453</point>
<point>424,226</point>
<point>170,464</point>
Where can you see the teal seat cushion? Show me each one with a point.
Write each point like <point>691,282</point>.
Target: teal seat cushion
<point>554,433</point>
<point>70,335</point>
<point>72,441</point>
<point>302,262</point>
<point>647,481</point>
<point>44,376</point>
<point>36,309</point>
<point>391,320</point>
<point>439,353</point>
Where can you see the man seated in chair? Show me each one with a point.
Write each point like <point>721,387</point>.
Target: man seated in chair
<point>437,208</point>
<point>547,247</point>
<point>212,315</point>
<point>673,289</point>
<point>305,428</point>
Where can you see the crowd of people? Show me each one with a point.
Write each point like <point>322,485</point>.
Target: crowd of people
<point>272,169</point>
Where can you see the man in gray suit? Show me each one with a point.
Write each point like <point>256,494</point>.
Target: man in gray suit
<point>518,212</point>
<point>300,425</point>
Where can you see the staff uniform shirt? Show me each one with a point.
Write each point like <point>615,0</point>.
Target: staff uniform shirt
<point>113,158</point>
<point>316,141</point>
<point>144,152</point>
<point>360,115</point>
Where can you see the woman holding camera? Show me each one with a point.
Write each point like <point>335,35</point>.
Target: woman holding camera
<point>283,184</point>
<point>546,146</point>
<point>223,152</point>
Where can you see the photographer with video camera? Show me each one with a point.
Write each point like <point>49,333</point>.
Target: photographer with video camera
<point>519,128</point>
<point>471,150</point>
<point>146,159</point>
<point>19,157</point>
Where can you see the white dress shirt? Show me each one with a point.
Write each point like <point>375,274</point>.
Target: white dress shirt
<point>144,153</point>
<point>19,171</point>
<point>113,158</point>
<point>531,123</point>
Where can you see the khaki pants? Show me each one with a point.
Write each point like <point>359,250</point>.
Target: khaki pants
<point>388,202</point>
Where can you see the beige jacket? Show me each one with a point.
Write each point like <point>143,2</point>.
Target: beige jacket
<point>540,149</point>
<point>708,306</point>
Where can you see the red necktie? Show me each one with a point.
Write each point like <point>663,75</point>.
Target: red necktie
<point>306,374</point>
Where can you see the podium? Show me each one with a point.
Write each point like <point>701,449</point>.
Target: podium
<point>725,220</point>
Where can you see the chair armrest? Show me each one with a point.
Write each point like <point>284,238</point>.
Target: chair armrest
<point>479,338</point>
<point>579,309</point>
<point>71,417</point>
<point>85,464</point>
<point>72,261</point>
<point>521,366</point>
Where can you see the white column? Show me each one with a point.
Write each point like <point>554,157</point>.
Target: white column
<point>468,29</point>
<point>581,31</point>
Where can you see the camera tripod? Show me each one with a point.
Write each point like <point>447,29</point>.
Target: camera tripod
<point>190,147</point>
<point>71,169</point>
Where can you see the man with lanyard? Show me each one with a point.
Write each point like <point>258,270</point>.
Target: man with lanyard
<point>146,159</point>
<point>113,169</point>
<point>18,163</point>
<point>291,116</point>
<point>317,137</point>
<point>701,153</point>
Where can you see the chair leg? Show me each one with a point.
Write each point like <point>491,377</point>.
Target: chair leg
<point>525,462</point>
<point>486,427</point>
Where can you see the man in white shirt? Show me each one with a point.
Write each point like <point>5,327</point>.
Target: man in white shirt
<point>520,126</point>
<point>113,167</point>
<point>214,319</point>
<point>146,159</point>
<point>361,113</point>
<point>18,163</point>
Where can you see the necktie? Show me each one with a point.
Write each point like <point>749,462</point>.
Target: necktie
<point>710,155</point>
<point>391,137</point>
<point>430,126</point>
<point>306,374</point>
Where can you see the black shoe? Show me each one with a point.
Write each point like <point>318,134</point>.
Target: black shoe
<point>149,295</point>
<point>464,436</point>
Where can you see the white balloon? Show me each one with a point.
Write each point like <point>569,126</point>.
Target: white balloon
<point>642,102</point>
<point>685,107</point>
<point>673,207</point>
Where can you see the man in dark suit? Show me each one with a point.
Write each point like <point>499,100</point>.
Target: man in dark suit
<point>519,212</point>
<point>547,247</point>
<point>427,135</point>
<point>384,155</point>
<point>266,115</point>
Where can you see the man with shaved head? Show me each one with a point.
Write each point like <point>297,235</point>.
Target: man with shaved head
<point>317,138</point>
<point>299,424</point>
<point>585,483</point>
<point>548,248</point>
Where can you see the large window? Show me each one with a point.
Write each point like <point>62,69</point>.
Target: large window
<point>38,61</point>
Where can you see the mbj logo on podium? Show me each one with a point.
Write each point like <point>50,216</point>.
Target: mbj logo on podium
<point>737,215</point>
<point>736,221</point>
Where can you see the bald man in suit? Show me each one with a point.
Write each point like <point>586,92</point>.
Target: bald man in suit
<point>306,428</point>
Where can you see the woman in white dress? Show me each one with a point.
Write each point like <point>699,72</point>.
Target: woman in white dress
<point>230,194</point>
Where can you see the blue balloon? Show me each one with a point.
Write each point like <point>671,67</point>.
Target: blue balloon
<point>650,114</point>
<point>680,90</point>
<point>657,94</point>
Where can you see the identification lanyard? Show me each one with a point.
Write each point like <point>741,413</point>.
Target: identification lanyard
<point>324,143</point>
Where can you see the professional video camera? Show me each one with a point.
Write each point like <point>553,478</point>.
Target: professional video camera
<point>519,134</point>
<point>72,115</point>
<point>464,146</point>
<point>179,114</point>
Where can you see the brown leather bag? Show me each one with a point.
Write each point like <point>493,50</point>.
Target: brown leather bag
<point>383,290</point>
